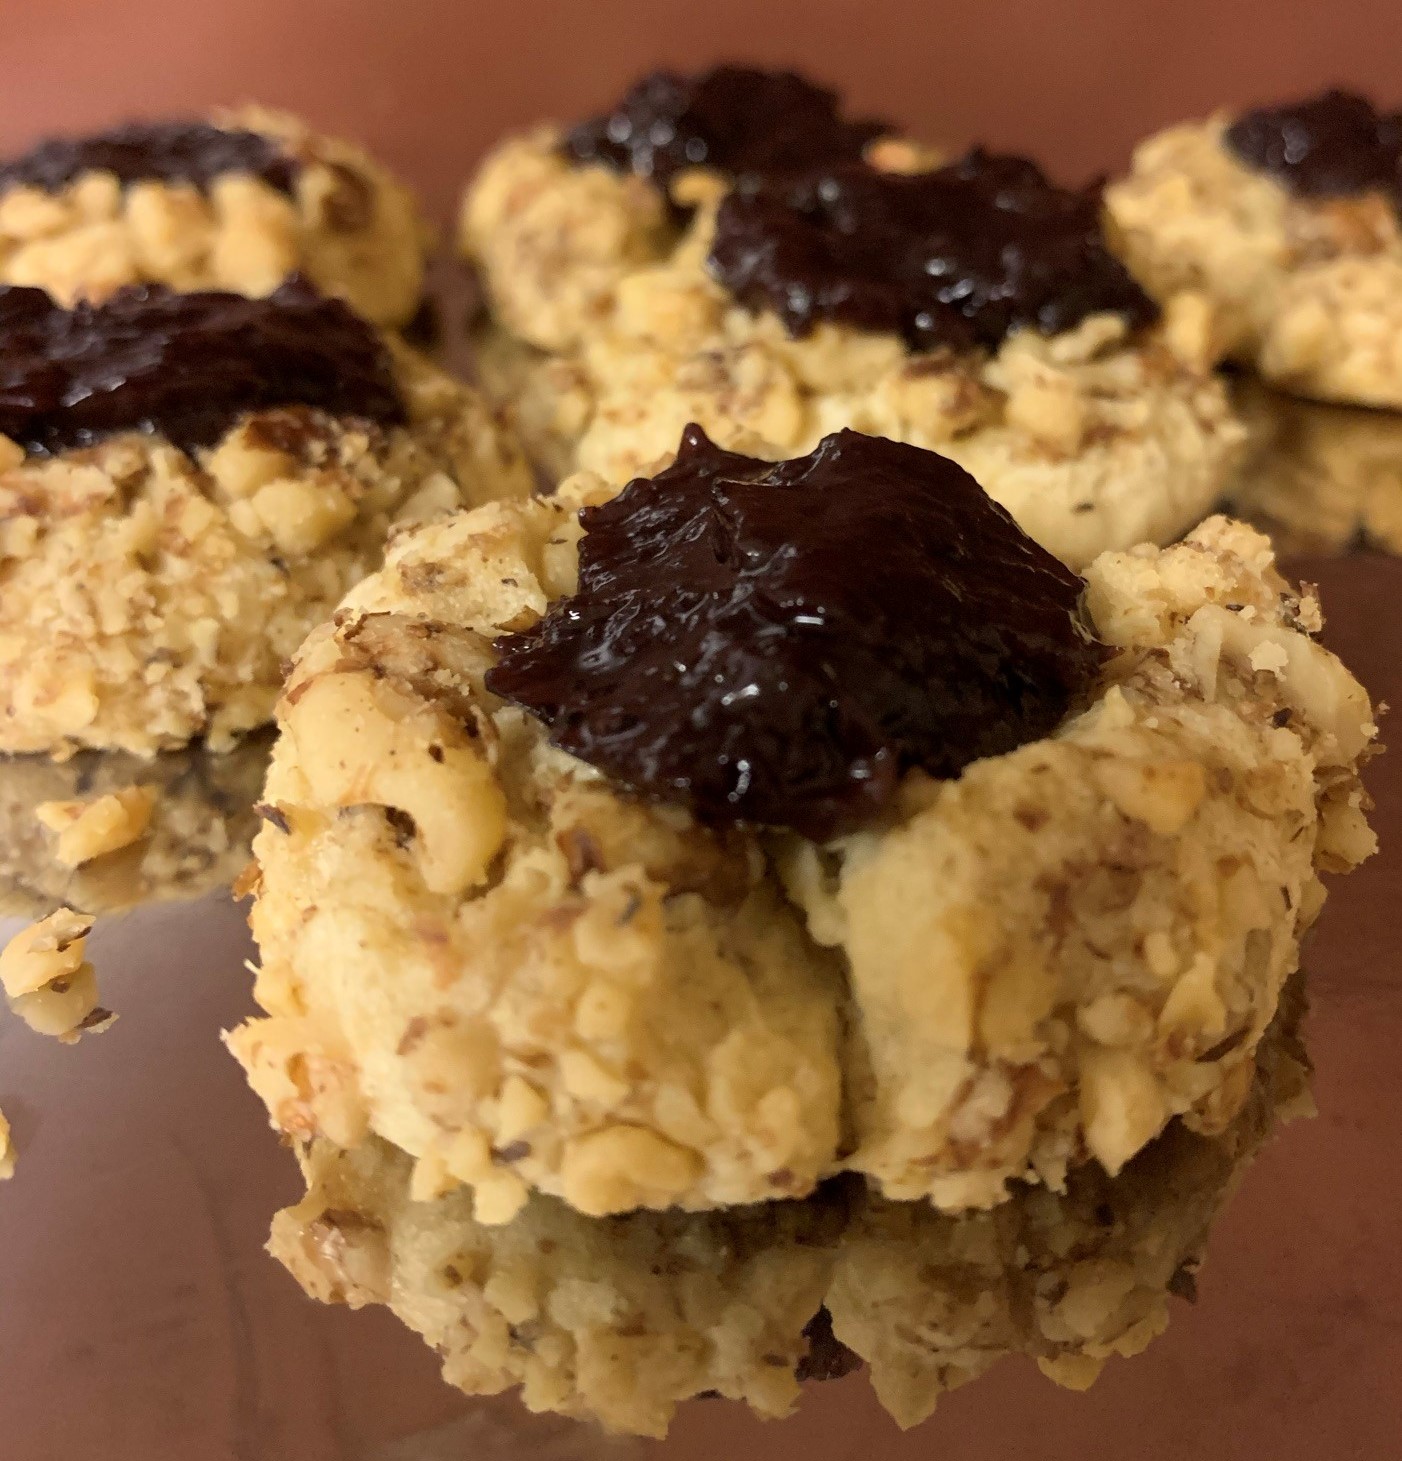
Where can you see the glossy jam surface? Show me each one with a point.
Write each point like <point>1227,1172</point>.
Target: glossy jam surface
<point>957,257</point>
<point>1331,146</point>
<point>164,152</point>
<point>183,365</point>
<point>777,643</point>
<point>734,119</point>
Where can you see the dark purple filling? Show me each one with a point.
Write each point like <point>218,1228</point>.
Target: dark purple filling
<point>1334,145</point>
<point>159,152</point>
<point>737,120</point>
<point>184,365</point>
<point>777,643</point>
<point>958,257</point>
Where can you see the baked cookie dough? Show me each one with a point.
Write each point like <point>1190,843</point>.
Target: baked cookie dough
<point>105,831</point>
<point>188,483</point>
<point>974,309</point>
<point>1320,478</point>
<point>240,202</point>
<point>528,974</point>
<point>1279,229</point>
<point>620,1319</point>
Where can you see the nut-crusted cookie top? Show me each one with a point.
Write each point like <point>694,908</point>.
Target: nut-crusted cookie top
<point>959,257</point>
<point>731,646</point>
<point>167,152</point>
<point>183,365</point>
<point>1332,145</point>
<point>495,957</point>
<point>733,119</point>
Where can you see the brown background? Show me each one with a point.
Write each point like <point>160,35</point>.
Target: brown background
<point>431,82</point>
<point>139,1318</point>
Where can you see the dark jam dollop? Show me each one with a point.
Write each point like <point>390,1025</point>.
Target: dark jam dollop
<point>162,152</point>
<point>734,119</point>
<point>184,365</point>
<point>777,643</point>
<point>957,257</point>
<point>1331,146</point>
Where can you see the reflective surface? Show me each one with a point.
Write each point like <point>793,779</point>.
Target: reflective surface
<point>140,1319</point>
<point>1320,479</point>
<point>202,823</point>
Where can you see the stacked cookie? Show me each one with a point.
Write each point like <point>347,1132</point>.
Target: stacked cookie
<point>205,439</point>
<point>201,453</point>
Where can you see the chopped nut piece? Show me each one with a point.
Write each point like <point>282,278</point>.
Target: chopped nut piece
<point>47,980</point>
<point>88,829</point>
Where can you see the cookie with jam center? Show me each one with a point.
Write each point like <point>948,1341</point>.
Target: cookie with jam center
<point>1278,229</point>
<point>558,217</point>
<point>239,202</point>
<point>188,483</point>
<point>686,845</point>
<point>975,308</point>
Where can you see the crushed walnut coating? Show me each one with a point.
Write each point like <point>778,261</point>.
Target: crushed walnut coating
<point>1308,290</point>
<point>1093,439</point>
<point>350,228</point>
<point>150,597</point>
<point>48,981</point>
<point>476,948</point>
<point>620,1320</point>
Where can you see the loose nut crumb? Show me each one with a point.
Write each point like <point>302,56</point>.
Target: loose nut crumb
<point>47,980</point>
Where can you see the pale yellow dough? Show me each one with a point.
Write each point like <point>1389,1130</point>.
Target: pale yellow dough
<point>618,1320</point>
<point>608,337</point>
<point>1306,290</point>
<point>475,948</point>
<point>351,228</point>
<point>147,598</point>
